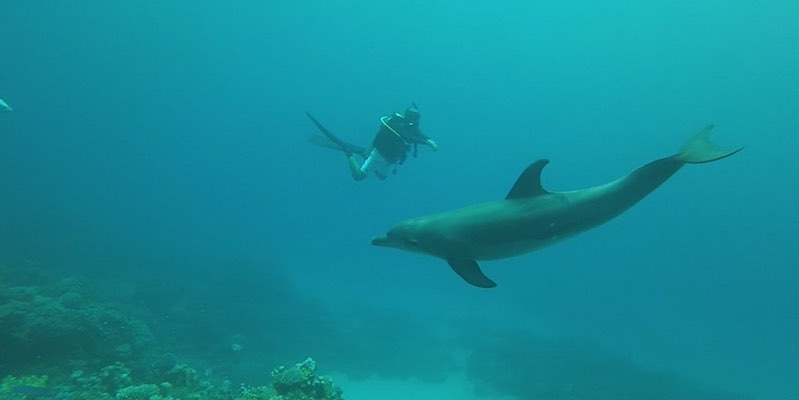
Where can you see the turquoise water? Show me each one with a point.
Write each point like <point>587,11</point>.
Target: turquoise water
<point>158,150</point>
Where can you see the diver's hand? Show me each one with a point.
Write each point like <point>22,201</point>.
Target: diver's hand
<point>432,144</point>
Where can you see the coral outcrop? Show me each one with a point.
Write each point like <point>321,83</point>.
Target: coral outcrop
<point>297,382</point>
<point>56,323</point>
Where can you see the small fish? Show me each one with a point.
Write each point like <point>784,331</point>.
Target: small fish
<point>32,392</point>
<point>4,106</point>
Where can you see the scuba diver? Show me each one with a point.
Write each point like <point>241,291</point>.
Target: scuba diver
<point>390,147</point>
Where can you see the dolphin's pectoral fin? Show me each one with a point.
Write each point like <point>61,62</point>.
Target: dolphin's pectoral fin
<point>470,272</point>
<point>529,182</point>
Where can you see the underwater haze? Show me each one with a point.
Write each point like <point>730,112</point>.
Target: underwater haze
<point>158,153</point>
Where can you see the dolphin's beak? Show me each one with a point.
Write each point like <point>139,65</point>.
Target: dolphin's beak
<point>383,241</point>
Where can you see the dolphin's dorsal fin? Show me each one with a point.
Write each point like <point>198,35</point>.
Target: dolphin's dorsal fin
<point>529,182</point>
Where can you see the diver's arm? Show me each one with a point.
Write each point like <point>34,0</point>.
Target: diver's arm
<point>421,138</point>
<point>410,134</point>
<point>432,144</point>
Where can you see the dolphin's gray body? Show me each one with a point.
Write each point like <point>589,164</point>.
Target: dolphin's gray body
<point>530,217</point>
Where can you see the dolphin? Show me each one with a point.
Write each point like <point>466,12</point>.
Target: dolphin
<point>530,217</point>
<point>4,106</point>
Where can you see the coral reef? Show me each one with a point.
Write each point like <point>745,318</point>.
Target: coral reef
<point>20,388</point>
<point>115,382</point>
<point>44,324</point>
<point>297,382</point>
<point>57,341</point>
<point>147,391</point>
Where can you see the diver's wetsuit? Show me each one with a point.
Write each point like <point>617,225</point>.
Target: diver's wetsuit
<point>391,145</point>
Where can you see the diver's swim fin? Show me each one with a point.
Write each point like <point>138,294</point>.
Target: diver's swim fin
<point>332,141</point>
<point>324,141</point>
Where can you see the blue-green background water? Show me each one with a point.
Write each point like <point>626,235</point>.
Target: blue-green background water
<point>162,145</point>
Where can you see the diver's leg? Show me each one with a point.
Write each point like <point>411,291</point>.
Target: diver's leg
<point>356,169</point>
<point>376,163</point>
<point>382,172</point>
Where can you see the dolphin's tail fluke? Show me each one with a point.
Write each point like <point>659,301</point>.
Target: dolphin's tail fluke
<point>699,149</point>
<point>330,141</point>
